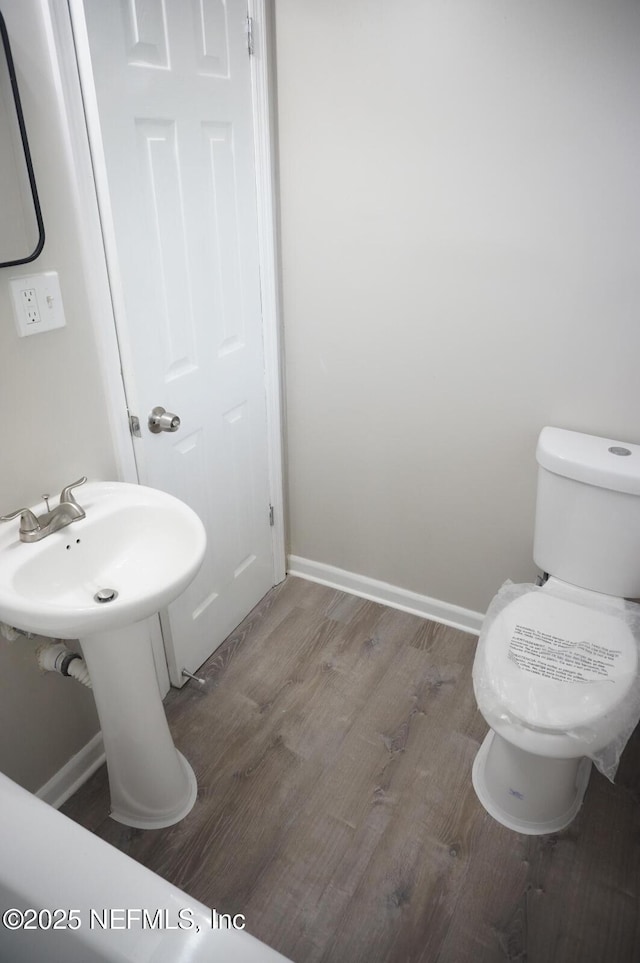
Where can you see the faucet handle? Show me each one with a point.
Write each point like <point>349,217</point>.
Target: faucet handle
<point>66,494</point>
<point>28,521</point>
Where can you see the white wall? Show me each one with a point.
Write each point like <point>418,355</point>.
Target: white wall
<point>461,229</point>
<point>54,422</point>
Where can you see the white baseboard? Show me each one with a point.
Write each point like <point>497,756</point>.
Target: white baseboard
<point>72,775</point>
<point>386,594</point>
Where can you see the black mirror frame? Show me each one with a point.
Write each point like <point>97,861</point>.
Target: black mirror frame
<point>25,148</point>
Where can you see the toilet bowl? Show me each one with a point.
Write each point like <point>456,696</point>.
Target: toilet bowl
<point>557,669</point>
<point>556,678</point>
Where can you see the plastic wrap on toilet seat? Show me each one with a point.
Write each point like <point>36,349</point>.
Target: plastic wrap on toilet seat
<point>554,660</point>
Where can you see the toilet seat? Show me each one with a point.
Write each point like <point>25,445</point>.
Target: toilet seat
<point>556,663</point>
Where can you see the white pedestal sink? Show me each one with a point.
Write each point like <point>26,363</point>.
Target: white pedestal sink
<point>138,548</point>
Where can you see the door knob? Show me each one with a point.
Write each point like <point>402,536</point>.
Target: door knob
<point>162,420</point>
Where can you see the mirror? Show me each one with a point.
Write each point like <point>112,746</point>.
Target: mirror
<point>21,227</point>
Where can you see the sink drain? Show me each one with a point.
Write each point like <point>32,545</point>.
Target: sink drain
<point>105,595</point>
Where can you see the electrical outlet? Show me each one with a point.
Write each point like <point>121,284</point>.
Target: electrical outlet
<point>29,300</point>
<point>37,303</point>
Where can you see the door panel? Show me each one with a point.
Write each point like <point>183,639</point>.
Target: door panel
<point>172,83</point>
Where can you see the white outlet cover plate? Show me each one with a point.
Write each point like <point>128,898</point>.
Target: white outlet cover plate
<point>48,302</point>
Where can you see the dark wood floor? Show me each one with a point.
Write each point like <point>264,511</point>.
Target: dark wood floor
<point>333,745</point>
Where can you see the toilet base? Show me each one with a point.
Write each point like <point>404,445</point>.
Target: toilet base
<point>528,793</point>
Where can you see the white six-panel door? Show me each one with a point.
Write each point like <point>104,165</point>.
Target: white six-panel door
<point>178,200</point>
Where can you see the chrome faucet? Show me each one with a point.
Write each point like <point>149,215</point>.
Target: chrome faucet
<point>35,527</point>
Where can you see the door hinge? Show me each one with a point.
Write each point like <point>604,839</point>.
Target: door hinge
<point>271,520</point>
<point>250,35</point>
<point>134,425</point>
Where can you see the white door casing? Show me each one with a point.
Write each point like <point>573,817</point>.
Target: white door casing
<point>171,103</point>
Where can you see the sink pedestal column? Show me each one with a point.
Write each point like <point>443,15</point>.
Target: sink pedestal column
<point>152,784</point>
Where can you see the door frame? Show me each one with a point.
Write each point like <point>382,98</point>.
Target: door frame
<point>70,46</point>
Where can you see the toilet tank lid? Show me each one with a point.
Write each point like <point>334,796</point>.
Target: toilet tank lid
<point>603,462</point>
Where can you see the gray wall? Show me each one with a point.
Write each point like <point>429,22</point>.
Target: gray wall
<point>54,423</point>
<point>461,229</point>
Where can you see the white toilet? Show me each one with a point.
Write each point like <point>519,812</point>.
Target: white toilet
<point>556,673</point>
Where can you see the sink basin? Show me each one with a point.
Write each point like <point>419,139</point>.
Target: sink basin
<point>97,580</point>
<point>142,544</point>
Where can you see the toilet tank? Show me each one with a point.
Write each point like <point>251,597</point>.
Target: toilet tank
<point>587,528</point>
